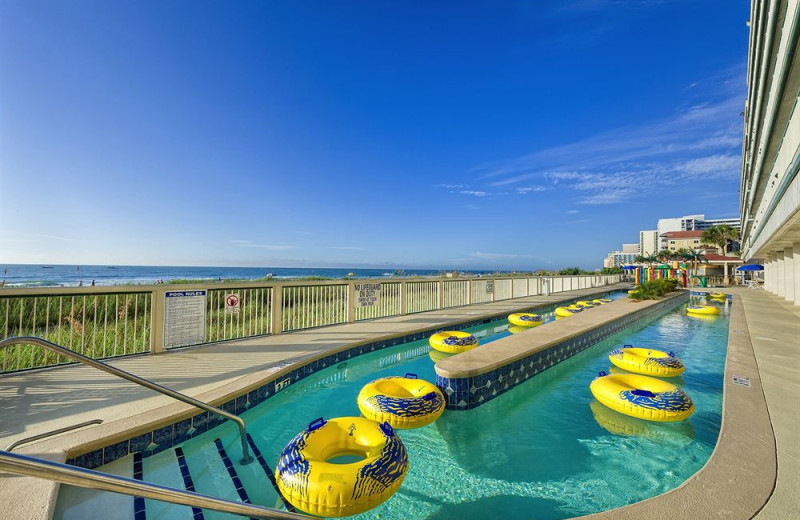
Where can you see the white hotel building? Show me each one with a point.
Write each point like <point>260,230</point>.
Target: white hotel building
<point>770,186</point>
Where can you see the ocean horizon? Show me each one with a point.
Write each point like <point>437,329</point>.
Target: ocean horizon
<point>59,275</point>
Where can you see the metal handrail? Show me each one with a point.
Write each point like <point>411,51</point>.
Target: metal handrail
<point>31,340</point>
<point>82,477</point>
<point>51,433</point>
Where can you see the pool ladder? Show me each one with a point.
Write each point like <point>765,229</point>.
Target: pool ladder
<point>66,474</point>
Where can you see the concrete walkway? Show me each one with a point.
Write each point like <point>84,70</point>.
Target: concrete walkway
<point>774,325</point>
<point>43,400</point>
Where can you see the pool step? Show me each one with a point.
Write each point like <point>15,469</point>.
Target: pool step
<point>79,503</point>
<point>270,475</point>
<point>210,469</point>
<point>188,483</point>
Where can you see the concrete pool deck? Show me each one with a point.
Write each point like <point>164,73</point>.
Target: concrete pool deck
<point>768,351</point>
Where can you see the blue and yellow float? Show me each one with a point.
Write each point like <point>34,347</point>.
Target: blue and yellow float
<point>601,301</point>
<point>643,397</point>
<point>585,304</point>
<point>647,361</point>
<point>525,319</point>
<point>403,402</point>
<point>563,312</point>
<point>702,310</point>
<point>717,296</point>
<point>453,341</point>
<point>310,480</point>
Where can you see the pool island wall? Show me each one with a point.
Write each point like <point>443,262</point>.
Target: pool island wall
<point>479,375</point>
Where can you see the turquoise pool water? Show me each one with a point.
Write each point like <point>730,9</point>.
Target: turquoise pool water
<point>544,450</point>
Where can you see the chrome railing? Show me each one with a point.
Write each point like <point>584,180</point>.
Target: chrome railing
<point>81,477</point>
<point>51,433</point>
<point>246,457</point>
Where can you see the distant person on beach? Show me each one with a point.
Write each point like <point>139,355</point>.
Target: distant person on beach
<point>80,284</point>
<point>92,283</point>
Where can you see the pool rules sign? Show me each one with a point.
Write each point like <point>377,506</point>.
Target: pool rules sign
<point>368,294</point>
<point>184,318</point>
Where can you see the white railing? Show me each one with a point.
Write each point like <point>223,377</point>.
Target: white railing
<point>456,293</point>
<point>253,317</point>
<point>103,322</point>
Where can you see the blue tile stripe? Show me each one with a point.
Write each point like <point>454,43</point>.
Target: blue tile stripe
<point>470,392</point>
<point>237,482</point>
<point>138,502</point>
<point>268,471</point>
<point>197,513</point>
<point>165,437</point>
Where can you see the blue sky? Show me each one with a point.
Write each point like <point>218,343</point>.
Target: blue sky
<point>514,135</point>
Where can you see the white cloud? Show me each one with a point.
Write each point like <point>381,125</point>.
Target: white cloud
<point>718,165</point>
<point>474,193</point>
<point>498,256</point>
<point>524,190</point>
<point>269,247</point>
<point>613,167</point>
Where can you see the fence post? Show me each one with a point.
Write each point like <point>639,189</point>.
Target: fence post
<point>277,309</point>
<point>403,290</point>
<point>157,321</point>
<point>469,292</point>
<point>351,302</point>
<point>440,290</point>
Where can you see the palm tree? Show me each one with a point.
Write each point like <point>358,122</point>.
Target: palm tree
<point>720,236</point>
<point>694,258</point>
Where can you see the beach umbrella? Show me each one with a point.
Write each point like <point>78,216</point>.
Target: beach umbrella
<point>750,267</point>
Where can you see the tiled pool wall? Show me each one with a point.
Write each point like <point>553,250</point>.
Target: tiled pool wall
<point>171,435</point>
<point>470,392</point>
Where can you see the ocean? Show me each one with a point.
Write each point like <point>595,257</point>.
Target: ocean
<point>39,275</point>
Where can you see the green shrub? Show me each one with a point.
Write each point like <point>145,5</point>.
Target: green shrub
<point>654,289</point>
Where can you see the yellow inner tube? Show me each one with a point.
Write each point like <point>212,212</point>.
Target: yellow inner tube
<point>403,402</point>
<point>702,317</point>
<point>643,397</point>
<point>563,312</point>
<point>525,319</point>
<point>585,304</point>
<point>706,310</point>
<point>649,362</point>
<point>310,482</point>
<point>453,341</point>
<point>601,301</point>
<point>717,295</point>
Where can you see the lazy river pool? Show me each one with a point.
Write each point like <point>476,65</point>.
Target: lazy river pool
<point>545,449</point>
